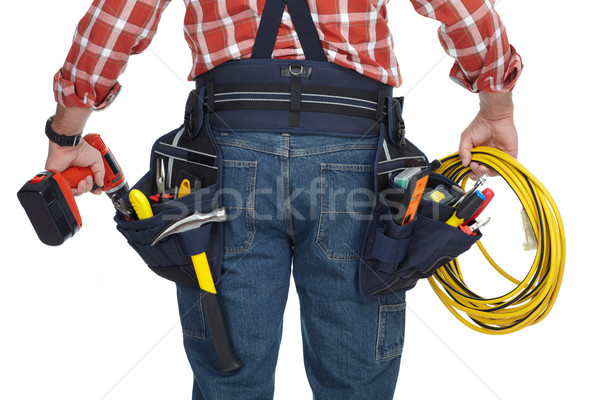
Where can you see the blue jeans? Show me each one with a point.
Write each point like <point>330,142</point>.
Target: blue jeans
<point>300,200</point>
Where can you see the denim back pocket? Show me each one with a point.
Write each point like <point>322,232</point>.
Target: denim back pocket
<point>239,178</point>
<point>346,203</point>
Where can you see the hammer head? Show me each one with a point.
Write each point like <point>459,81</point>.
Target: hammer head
<point>192,221</point>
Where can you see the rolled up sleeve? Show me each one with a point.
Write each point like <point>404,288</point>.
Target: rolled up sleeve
<point>473,34</point>
<point>109,33</point>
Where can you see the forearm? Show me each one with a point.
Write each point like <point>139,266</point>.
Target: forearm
<point>496,105</point>
<point>70,121</point>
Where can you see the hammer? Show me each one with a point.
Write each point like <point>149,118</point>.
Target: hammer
<point>214,316</point>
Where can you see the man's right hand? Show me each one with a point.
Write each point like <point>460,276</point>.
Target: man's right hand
<point>71,121</point>
<point>84,155</point>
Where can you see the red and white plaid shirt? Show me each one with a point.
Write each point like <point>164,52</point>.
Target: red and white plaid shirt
<point>354,34</point>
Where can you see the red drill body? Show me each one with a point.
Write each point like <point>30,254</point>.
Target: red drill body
<point>49,201</point>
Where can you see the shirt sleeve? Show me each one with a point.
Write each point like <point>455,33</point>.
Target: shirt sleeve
<point>108,34</point>
<point>473,34</point>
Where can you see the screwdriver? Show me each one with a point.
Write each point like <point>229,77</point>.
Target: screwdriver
<point>466,208</point>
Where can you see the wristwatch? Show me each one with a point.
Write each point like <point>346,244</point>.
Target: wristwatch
<point>61,140</point>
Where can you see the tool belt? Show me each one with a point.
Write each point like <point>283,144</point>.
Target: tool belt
<point>246,95</point>
<point>394,256</point>
<point>310,96</point>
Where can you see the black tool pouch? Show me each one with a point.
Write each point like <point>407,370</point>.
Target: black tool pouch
<point>188,152</point>
<point>395,256</point>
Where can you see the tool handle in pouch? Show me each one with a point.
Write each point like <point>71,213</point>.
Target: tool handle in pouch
<point>140,204</point>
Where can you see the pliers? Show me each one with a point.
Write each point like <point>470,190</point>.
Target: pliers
<point>160,183</point>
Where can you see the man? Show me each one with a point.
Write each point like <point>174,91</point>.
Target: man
<point>352,345</point>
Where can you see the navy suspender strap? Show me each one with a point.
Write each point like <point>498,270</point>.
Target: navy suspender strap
<point>266,36</point>
<point>307,32</point>
<point>303,24</point>
<point>268,28</point>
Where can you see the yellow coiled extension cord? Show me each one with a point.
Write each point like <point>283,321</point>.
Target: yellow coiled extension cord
<point>532,299</point>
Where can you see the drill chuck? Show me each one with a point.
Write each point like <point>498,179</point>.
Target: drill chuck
<point>119,198</point>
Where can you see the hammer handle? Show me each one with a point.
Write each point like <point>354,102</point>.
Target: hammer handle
<point>214,315</point>
<point>218,331</point>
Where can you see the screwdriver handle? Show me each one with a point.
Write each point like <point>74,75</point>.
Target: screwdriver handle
<point>466,209</point>
<point>140,204</point>
<point>489,195</point>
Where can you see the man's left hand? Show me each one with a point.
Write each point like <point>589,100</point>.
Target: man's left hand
<point>493,126</point>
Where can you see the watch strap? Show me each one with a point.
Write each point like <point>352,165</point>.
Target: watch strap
<point>61,140</point>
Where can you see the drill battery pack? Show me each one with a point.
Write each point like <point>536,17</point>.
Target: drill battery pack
<point>51,208</point>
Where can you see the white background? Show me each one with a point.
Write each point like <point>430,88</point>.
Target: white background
<point>88,320</point>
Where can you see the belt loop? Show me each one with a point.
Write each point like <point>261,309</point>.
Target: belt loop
<point>210,96</point>
<point>295,99</point>
<point>380,102</point>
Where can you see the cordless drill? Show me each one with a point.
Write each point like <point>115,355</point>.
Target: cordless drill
<point>50,203</point>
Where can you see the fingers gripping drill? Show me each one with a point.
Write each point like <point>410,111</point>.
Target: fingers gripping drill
<point>50,204</point>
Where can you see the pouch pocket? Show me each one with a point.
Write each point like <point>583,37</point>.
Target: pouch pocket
<point>386,244</point>
<point>182,157</point>
<point>394,257</point>
<point>170,257</point>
